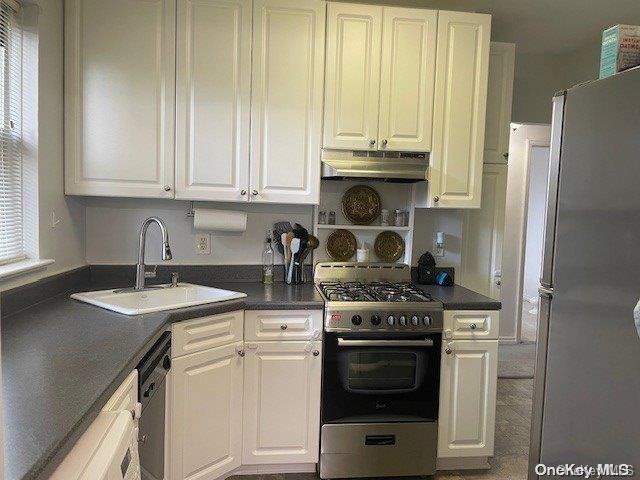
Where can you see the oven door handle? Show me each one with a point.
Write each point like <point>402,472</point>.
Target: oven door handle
<point>343,342</point>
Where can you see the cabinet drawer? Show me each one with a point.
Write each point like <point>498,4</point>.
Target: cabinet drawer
<point>206,332</point>
<point>283,325</point>
<point>126,396</point>
<point>471,324</point>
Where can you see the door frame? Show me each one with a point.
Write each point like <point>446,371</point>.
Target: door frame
<point>513,256</point>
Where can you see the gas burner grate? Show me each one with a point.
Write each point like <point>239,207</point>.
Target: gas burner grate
<point>373,292</point>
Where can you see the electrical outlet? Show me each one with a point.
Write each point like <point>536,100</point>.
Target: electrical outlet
<point>203,244</point>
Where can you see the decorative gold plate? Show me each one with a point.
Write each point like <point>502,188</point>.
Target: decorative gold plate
<point>341,245</point>
<point>389,246</point>
<point>361,205</point>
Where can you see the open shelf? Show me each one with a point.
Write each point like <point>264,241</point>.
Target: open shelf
<point>322,226</point>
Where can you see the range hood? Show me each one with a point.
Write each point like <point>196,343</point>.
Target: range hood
<point>405,167</point>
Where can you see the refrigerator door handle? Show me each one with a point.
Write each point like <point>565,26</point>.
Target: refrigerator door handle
<point>557,119</point>
<point>537,413</point>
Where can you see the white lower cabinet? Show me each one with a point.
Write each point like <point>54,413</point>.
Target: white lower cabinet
<point>468,381</point>
<point>281,402</point>
<point>206,416</point>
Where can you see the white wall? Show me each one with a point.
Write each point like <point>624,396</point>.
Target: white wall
<point>536,205</point>
<point>65,242</point>
<point>430,221</point>
<point>113,226</point>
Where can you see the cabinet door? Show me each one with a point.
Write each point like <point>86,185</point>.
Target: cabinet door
<point>499,99</point>
<point>119,97</point>
<point>282,402</point>
<point>206,415</point>
<point>407,79</point>
<point>455,165</point>
<point>468,380</point>
<point>286,103</point>
<point>352,93</point>
<point>213,99</point>
<point>482,236</point>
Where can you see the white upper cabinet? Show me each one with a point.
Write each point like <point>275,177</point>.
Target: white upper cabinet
<point>286,102</point>
<point>353,76</point>
<point>119,97</point>
<point>380,77</point>
<point>213,92</point>
<point>462,65</point>
<point>407,79</point>
<point>499,100</point>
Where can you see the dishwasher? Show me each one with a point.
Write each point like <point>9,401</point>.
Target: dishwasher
<point>152,372</point>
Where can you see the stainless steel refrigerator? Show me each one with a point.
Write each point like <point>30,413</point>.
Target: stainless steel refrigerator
<point>586,406</point>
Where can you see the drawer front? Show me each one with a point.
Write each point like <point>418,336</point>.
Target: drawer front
<point>471,324</point>
<point>202,333</point>
<point>126,396</point>
<point>264,325</point>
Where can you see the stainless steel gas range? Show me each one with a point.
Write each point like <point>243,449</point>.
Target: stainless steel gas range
<point>381,372</point>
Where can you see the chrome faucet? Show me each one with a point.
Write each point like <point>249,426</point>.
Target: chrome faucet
<point>141,272</point>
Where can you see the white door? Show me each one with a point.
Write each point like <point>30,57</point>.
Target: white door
<point>213,99</point>
<point>206,416</point>
<point>286,101</point>
<point>352,92</point>
<point>282,402</point>
<point>455,165</point>
<point>482,235</point>
<point>119,97</point>
<point>499,100</point>
<point>407,79</point>
<point>468,398</point>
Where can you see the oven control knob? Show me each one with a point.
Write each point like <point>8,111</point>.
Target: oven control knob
<point>391,320</point>
<point>402,320</point>
<point>426,321</point>
<point>376,320</point>
<point>356,319</point>
<point>415,321</point>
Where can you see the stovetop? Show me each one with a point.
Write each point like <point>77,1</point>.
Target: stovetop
<point>373,292</point>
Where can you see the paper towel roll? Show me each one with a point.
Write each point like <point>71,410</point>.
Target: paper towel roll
<point>220,220</point>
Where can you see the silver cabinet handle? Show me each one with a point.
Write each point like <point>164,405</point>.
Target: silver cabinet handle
<point>498,282</point>
<point>384,142</point>
<point>243,192</point>
<point>436,199</point>
<point>505,155</point>
<point>254,192</point>
<point>448,351</point>
<point>372,142</point>
<point>473,326</point>
<point>316,353</point>
<point>284,326</point>
<point>343,342</point>
<point>167,188</point>
<point>241,353</point>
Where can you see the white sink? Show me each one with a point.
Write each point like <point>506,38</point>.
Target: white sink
<point>131,302</point>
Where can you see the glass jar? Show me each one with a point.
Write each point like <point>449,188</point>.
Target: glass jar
<point>399,218</point>
<point>332,218</point>
<point>322,217</point>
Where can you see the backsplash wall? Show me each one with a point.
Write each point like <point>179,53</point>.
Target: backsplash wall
<point>112,227</point>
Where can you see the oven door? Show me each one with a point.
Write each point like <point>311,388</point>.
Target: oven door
<point>382,367</point>
<point>374,379</point>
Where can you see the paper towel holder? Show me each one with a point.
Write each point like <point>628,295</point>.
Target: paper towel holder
<point>191,212</point>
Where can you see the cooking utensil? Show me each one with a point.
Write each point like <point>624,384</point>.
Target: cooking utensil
<point>279,228</point>
<point>312,244</point>
<point>295,248</point>
<point>341,245</point>
<point>389,246</point>
<point>361,205</point>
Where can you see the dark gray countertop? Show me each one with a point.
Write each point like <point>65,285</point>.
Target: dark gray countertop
<point>63,359</point>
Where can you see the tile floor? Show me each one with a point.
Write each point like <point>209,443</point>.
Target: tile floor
<point>513,417</point>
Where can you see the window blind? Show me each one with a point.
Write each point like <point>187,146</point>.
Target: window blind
<point>11,208</point>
